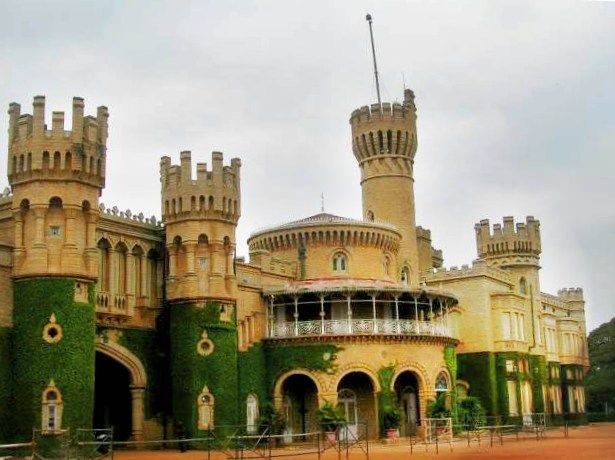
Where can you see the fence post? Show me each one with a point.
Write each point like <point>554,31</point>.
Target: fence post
<point>437,450</point>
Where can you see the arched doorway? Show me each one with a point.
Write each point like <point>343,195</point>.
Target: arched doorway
<point>112,399</point>
<point>406,387</point>
<point>119,389</point>
<point>300,403</point>
<point>356,397</point>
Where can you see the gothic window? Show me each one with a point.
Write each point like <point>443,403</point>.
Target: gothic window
<point>104,264</point>
<point>441,382</point>
<point>251,414</point>
<point>405,275</point>
<point>340,263</point>
<point>370,216</point>
<point>205,404</point>
<point>387,264</point>
<point>51,408</point>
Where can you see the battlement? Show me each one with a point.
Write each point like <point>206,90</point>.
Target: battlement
<point>423,233</point>
<point>571,294</point>
<point>478,268</point>
<point>514,243</point>
<point>36,152</point>
<point>216,191</point>
<point>385,129</point>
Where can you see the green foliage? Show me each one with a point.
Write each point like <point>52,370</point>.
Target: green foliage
<point>314,357</point>
<point>387,399</point>
<point>5,383</point>
<point>190,371</point>
<point>391,418</point>
<point>600,381</point>
<point>471,412</point>
<point>450,358</point>
<point>479,370</point>
<point>329,416</point>
<point>150,347</point>
<point>437,408</point>
<point>539,376</point>
<point>70,362</point>
<point>252,378</point>
<point>272,419</point>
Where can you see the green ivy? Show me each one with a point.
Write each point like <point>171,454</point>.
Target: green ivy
<point>190,371</point>
<point>70,362</point>
<point>5,383</point>
<point>252,378</point>
<point>539,376</point>
<point>387,399</point>
<point>450,358</point>
<point>479,370</point>
<point>309,356</point>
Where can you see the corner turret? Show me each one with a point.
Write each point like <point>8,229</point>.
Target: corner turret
<point>200,216</point>
<point>510,244</point>
<point>57,176</point>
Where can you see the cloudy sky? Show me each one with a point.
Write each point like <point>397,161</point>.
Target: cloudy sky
<point>516,107</point>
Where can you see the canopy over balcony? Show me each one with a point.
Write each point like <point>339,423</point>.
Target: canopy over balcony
<point>356,307</point>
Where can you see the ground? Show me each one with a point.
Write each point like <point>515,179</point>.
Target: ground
<point>588,442</point>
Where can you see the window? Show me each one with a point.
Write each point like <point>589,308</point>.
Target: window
<point>54,230</point>
<point>441,382</point>
<point>52,408</point>
<point>506,326</point>
<point>511,386</point>
<point>340,262</point>
<point>405,275</point>
<point>205,403</point>
<point>510,365</point>
<point>522,286</point>
<point>251,414</point>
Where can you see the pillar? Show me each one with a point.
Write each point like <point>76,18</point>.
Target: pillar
<point>137,394</point>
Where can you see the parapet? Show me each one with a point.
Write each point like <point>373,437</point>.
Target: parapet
<point>78,152</point>
<point>510,241</point>
<point>385,129</point>
<point>216,191</point>
<point>478,268</point>
<point>571,294</point>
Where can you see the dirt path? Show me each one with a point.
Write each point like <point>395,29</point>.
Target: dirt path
<point>589,442</point>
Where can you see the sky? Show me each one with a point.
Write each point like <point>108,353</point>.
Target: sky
<point>515,101</point>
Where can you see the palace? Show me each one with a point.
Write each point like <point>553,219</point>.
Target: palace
<point>109,318</point>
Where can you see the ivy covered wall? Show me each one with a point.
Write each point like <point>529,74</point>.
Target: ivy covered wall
<point>190,371</point>
<point>70,362</point>
<point>479,370</point>
<point>5,383</point>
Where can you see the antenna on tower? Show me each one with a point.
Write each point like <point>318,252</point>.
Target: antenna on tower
<point>368,18</point>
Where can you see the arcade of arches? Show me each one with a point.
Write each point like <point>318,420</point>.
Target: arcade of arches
<point>297,395</point>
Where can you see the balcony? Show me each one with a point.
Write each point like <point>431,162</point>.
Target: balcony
<point>358,327</point>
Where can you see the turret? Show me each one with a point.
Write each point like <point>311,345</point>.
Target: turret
<point>384,143</point>
<point>510,244</point>
<point>57,176</point>
<point>200,215</point>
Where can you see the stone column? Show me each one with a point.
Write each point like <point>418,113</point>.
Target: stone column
<point>138,415</point>
<point>190,249</point>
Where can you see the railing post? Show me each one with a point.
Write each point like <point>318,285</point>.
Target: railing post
<point>296,315</point>
<point>416,314</point>
<point>397,314</point>
<point>322,314</point>
<point>349,316</point>
<point>374,327</point>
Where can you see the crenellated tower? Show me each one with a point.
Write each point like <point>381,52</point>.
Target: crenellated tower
<point>57,176</point>
<point>384,142</point>
<point>200,217</point>
<point>516,248</point>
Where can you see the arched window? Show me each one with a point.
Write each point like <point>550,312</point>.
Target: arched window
<point>386,266</point>
<point>347,402</point>
<point>340,262</point>
<point>251,414</point>
<point>370,216</point>
<point>441,382</point>
<point>103,264</point>
<point>137,258</point>
<point>522,286</point>
<point>51,408</point>
<point>122,268</point>
<point>405,275</point>
<point>205,404</point>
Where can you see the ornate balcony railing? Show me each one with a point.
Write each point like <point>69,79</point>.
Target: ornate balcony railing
<point>357,327</point>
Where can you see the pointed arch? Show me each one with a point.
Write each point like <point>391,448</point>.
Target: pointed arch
<point>138,376</point>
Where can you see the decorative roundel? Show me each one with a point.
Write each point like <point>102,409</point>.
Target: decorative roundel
<point>52,332</point>
<point>205,346</point>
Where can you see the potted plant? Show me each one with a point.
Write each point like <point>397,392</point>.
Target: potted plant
<point>330,417</point>
<point>439,409</point>
<point>391,421</point>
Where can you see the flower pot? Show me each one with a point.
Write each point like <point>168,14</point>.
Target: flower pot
<point>330,438</point>
<point>393,433</point>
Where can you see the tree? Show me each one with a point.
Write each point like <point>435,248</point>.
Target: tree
<point>600,381</point>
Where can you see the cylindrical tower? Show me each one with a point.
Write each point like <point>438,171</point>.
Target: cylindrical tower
<point>57,176</point>
<point>384,143</point>
<point>200,218</point>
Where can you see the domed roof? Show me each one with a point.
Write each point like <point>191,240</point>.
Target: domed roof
<point>324,218</point>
